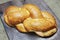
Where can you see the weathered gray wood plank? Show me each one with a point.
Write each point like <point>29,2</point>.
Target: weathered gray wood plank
<point>3,1</point>
<point>55,6</point>
<point>3,35</point>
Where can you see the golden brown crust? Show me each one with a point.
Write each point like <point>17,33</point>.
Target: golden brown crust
<point>29,18</point>
<point>11,9</point>
<point>35,12</point>
<point>38,22</point>
<point>47,33</point>
<point>16,15</point>
<point>21,27</point>
<point>6,20</point>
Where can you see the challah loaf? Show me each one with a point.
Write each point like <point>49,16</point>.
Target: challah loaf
<point>29,18</point>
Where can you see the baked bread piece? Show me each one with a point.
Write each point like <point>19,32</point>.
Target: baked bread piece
<point>14,15</point>
<point>29,18</point>
<point>47,33</point>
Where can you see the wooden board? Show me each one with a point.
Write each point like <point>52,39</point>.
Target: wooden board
<point>15,35</point>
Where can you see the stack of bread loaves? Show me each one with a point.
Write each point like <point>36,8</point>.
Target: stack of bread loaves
<point>29,18</point>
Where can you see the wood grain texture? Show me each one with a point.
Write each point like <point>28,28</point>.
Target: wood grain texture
<point>55,6</point>
<point>3,35</point>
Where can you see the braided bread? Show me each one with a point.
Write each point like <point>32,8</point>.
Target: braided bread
<point>29,18</point>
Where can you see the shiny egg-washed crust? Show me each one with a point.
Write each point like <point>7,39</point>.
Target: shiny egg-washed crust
<point>41,20</point>
<point>16,15</point>
<point>29,18</point>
